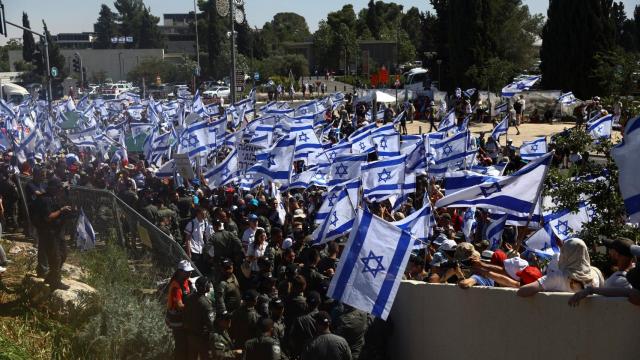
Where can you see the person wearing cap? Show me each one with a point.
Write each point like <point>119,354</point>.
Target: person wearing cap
<point>245,319</point>
<point>196,234</point>
<point>622,259</point>
<point>222,345</point>
<point>179,290</point>
<point>352,325</point>
<point>198,318</point>
<point>326,345</point>
<point>440,260</point>
<point>466,256</point>
<point>250,231</point>
<point>264,346</point>
<point>225,243</point>
<point>303,328</point>
<point>276,312</point>
<point>50,219</point>
<point>227,289</point>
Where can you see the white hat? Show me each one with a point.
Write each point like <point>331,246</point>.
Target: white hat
<point>287,243</point>
<point>299,213</point>
<point>513,265</point>
<point>448,245</point>
<point>486,255</point>
<point>185,265</point>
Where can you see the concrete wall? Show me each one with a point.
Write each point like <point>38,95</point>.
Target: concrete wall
<point>115,62</point>
<point>445,322</point>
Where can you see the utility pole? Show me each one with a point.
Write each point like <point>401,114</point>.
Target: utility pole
<point>232,15</point>
<point>197,72</point>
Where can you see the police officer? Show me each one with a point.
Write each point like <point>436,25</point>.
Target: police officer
<point>228,295</point>
<point>276,308</point>
<point>222,343</point>
<point>263,347</point>
<point>198,320</point>
<point>52,217</point>
<point>245,319</point>
<point>225,243</point>
<point>303,328</point>
<point>326,345</point>
<point>352,325</point>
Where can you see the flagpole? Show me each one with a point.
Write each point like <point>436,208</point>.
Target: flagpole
<point>539,200</point>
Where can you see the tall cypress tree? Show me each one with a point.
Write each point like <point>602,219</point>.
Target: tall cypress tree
<point>574,33</point>
<point>28,44</point>
<point>55,57</point>
<point>105,28</point>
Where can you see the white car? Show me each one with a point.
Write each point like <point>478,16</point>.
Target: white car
<point>219,91</point>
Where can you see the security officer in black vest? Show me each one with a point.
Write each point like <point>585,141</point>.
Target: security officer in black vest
<point>264,347</point>
<point>222,343</point>
<point>198,320</point>
<point>228,295</point>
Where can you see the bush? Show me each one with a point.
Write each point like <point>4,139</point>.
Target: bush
<point>129,325</point>
<point>11,351</point>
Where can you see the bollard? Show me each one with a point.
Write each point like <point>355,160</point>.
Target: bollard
<point>420,130</point>
<point>335,88</point>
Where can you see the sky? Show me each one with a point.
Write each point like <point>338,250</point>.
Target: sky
<point>79,15</point>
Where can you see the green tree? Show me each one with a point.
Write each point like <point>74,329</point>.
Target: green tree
<point>56,59</point>
<point>12,44</point>
<point>149,35</point>
<point>105,28</point>
<point>28,44</point>
<point>617,71</point>
<point>129,19</point>
<point>374,22</point>
<point>492,75</point>
<point>335,39</point>
<point>572,36</point>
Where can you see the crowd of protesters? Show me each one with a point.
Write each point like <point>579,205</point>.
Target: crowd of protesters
<point>262,293</point>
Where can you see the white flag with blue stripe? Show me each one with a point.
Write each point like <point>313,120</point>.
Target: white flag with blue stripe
<point>383,178</point>
<point>542,242</point>
<point>566,224</point>
<point>625,155</point>
<point>337,222</point>
<point>448,121</point>
<point>224,172</point>
<point>533,149</point>
<point>195,139</point>
<point>345,168</point>
<point>501,128</point>
<point>567,99</point>
<point>469,223</point>
<point>387,145</point>
<point>85,236</point>
<point>520,85</point>
<point>600,127</point>
<point>418,224</point>
<point>455,181</point>
<point>372,265</point>
<point>275,163</point>
<point>494,232</point>
<point>518,192</point>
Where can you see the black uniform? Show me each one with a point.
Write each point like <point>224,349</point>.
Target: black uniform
<point>263,348</point>
<point>51,235</point>
<point>198,321</point>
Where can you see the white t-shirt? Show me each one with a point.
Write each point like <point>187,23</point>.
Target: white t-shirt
<point>200,231</point>
<point>256,252</point>
<point>618,280</point>
<point>557,282</point>
<point>247,237</point>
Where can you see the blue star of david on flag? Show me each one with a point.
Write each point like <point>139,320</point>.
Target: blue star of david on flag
<point>341,170</point>
<point>331,199</point>
<point>563,228</point>
<point>447,150</point>
<point>295,177</point>
<point>225,171</point>
<point>534,147</point>
<point>334,219</point>
<point>362,146</point>
<point>591,211</point>
<point>332,155</point>
<point>383,144</point>
<point>193,140</point>
<point>318,175</point>
<point>368,268</point>
<point>384,175</point>
<point>303,137</point>
<point>491,189</point>
<point>270,160</point>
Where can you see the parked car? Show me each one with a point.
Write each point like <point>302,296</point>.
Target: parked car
<point>217,91</point>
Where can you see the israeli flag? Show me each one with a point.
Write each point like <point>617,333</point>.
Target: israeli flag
<point>520,85</point>
<point>362,143</point>
<point>566,224</point>
<point>625,155</point>
<point>224,172</point>
<point>383,178</point>
<point>455,181</point>
<point>567,99</point>
<point>494,232</point>
<point>500,108</point>
<point>501,128</point>
<point>275,163</point>
<point>345,169</point>
<point>448,121</point>
<point>494,170</point>
<point>85,236</point>
<point>372,265</point>
<point>198,106</point>
<point>542,242</point>
<point>339,221</point>
<point>387,145</point>
<point>167,170</point>
<point>138,129</point>
<point>418,224</point>
<point>28,147</point>
<point>330,155</point>
<point>307,142</point>
<point>530,150</point>
<point>518,192</point>
<point>315,176</point>
<point>195,139</point>
<point>469,223</point>
<point>600,127</point>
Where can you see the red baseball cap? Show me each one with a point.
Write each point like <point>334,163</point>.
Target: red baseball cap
<point>498,257</point>
<point>529,275</point>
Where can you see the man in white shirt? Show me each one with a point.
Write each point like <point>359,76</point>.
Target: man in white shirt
<point>249,233</point>
<point>196,234</point>
<point>621,257</point>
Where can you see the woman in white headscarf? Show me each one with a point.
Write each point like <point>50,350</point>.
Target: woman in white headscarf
<point>575,272</point>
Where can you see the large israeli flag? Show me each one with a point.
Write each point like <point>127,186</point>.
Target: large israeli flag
<point>275,163</point>
<point>387,145</point>
<point>345,168</point>
<point>501,128</point>
<point>515,193</point>
<point>224,172</point>
<point>418,224</point>
<point>533,149</point>
<point>195,139</point>
<point>567,99</point>
<point>625,155</point>
<point>338,222</point>
<point>542,242</point>
<point>85,236</point>
<point>372,265</point>
<point>383,178</point>
<point>494,232</point>
<point>566,224</point>
<point>520,85</point>
<point>600,127</point>
<point>455,181</point>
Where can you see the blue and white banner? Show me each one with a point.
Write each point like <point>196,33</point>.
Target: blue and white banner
<point>383,178</point>
<point>625,155</point>
<point>338,221</point>
<point>372,265</point>
<point>387,145</point>
<point>520,86</point>
<point>195,139</point>
<point>419,225</point>
<point>501,128</point>
<point>275,163</point>
<point>224,172</point>
<point>455,181</point>
<point>494,232</point>
<point>515,193</point>
<point>600,127</point>
<point>542,242</point>
<point>85,236</point>
<point>533,149</point>
<point>566,224</point>
<point>346,168</point>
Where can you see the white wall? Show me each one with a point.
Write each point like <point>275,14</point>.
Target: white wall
<point>445,322</point>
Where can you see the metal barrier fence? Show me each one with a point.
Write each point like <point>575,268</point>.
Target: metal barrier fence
<point>115,221</point>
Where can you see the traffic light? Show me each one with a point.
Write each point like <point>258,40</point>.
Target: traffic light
<point>84,75</point>
<point>3,21</point>
<point>76,64</point>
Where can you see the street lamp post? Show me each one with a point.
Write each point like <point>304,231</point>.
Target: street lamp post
<point>232,14</point>
<point>81,70</point>
<point>439,62</point>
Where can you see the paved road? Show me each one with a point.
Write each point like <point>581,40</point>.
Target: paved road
<point>332,85</point>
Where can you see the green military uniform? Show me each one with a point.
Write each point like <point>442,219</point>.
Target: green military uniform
<point>279,330</point>
<point>226,245</point>
<point>198,321</point>
<point>172,221</point>
<point>228,296</point>
<point>352,326</point>
<point>263,348</point>
<point>244,324</point>
<point>222,346</point>
<point>150,212</point>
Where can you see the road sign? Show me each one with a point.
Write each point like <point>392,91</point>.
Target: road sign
<point>54,71</point>
<point>196,70</point>
<point>256,76</point>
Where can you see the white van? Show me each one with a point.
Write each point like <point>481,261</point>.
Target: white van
<point>13,93</point>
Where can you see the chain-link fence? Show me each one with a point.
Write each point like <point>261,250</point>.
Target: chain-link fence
<point>115,221</point>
